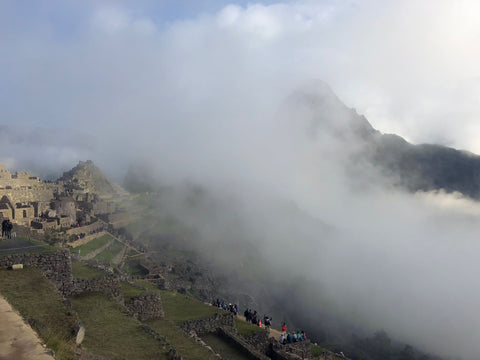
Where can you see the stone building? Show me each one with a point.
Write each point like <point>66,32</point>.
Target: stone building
<point>4,173</point>
<point>24,214</point>
<point>6,212</point>
<point>41,205</point>
<point>65,207</point>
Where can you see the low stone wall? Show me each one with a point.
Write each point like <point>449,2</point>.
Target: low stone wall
<point>93,228</point>
<point>56,266</point>
<point>109,285</point>
<point>145,307</point>
<point>293,351</point>
<point>250,349</point>
<point>86,239</point>
<point>208,325</point>
<point>259,340</point>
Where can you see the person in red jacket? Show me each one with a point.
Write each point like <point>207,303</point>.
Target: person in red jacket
<point>284,327</point>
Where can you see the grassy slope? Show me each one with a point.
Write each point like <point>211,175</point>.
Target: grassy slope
<point>246,329</point>
<point>93,245</point>
<point>179,308</point>
<point>35,298</point>
<point>111,333</point>
<point>82,271</point>
<point>107,255</point>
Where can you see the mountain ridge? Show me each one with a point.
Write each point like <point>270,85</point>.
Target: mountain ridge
<point>415,167</point>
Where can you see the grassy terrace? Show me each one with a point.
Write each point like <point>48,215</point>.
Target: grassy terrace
<point>179,308</point>
<point>94,244</point>
<point>132,265</point>
<point>82,271</point>
<point>245,328</point>
<point>111,333</point>
<point>107,255</point>
<point>35,298</point>
<point>130,291</point>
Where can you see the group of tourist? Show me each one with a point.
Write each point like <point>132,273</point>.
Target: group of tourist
<point>252,316</point>
<point>7,228</point>
<point>233,308</point>
<point>293,337</point>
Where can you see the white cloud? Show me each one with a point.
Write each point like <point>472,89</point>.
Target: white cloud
<point>200,98</point>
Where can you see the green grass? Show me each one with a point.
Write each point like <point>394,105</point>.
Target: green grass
<point>147,285</point>
<point>111,333</point>
<point>244,328</point>
<point>82,271</point>
<point>130,291</point>
<point>180,308</point>
<point>132,266</point>
<point>316,350</point>
<point>107,255</point>
<point>39,303</point>
<point>93,245</point>
<point>185,346</point>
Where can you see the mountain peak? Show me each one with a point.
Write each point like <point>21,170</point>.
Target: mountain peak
<point>89,178</point>
<point>316,105</point>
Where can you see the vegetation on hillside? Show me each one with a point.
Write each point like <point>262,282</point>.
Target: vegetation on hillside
<point>30,293</point>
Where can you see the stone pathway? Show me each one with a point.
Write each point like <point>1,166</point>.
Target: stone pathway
<point>16,245</point>
<point>18,341</point>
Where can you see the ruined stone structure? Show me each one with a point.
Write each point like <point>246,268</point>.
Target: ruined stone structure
<point>24,197</point>
<point>145,307</point>
<point>56,266</point>
<point>209,325</point>
<point>109,285</point>
<point>294,351</point>
<point>68,205</point>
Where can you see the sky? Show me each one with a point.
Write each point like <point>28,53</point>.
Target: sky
<point>196,90</point>
<point>411,68</point>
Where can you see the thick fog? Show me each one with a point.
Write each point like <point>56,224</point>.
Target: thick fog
<point>205,99</point>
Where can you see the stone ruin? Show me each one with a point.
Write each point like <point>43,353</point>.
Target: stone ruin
<point>38,206</point>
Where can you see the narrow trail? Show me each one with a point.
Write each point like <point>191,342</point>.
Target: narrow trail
<point>273,332</point>
<point>18,341</point>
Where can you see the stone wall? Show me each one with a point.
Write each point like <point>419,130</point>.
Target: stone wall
<point>259,340</point>
<point>95,227</point>
<point>145,307</point>
<point>251,350</point>
<point>35,194</point>
<point>56,266</point>
<point>86,239</point>
<point>208,325</point>
<point>293,351</point>
<point>109,285</point>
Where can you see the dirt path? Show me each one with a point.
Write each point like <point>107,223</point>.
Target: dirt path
<point>273,332</point>
<point>17,340</point>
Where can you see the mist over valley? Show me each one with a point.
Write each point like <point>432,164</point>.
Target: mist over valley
<point>301,159</point>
